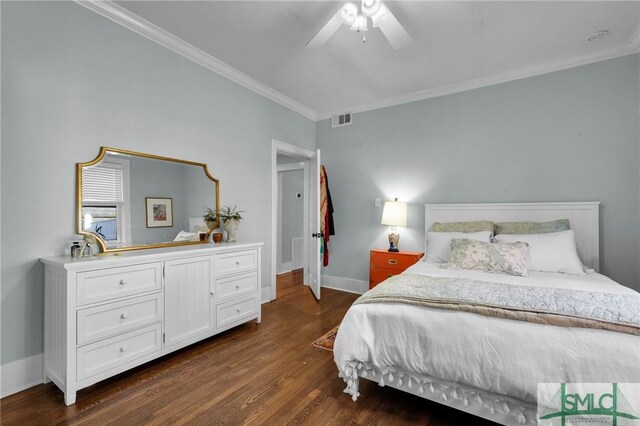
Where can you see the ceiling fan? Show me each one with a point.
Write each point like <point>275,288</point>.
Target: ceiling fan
<point>357,19</point>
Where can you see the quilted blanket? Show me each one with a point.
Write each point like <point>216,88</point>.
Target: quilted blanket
<point>554,306</point>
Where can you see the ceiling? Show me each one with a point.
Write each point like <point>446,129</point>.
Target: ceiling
<point>456,45</point>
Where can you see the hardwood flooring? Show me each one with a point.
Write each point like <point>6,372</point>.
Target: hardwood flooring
<point>258,374</point>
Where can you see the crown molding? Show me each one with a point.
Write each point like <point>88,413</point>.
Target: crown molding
<point>145,28</point>
<point>135,23</point>
<point>476,83</point>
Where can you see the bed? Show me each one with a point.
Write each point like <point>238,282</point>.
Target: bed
<point>488,366</point>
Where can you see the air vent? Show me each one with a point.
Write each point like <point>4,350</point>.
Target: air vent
<point>341,120</point>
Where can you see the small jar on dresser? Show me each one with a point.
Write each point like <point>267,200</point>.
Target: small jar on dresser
<point>107,314</point>
<point>385,264</point>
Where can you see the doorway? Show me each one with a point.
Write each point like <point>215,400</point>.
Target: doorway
<point>286,158</point>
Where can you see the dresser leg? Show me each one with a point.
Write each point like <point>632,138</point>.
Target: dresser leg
<point>69,398</point>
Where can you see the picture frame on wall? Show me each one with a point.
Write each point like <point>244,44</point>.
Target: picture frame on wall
<point>159,212</point>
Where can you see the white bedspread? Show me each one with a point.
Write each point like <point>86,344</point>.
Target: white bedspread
<point>506,357</point>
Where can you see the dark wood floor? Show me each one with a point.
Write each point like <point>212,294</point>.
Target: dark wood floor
<point>255,374</point>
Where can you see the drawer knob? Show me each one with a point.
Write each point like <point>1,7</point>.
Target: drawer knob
<point>123,348</point>
<point>124,315</point>
<point>237,263</point>
<point>238,310</point>
<point>237,287</point>
<point>123,282</point>
<point>211,292</point>
<point>392,261</point>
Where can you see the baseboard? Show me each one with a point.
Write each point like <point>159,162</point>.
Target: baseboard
<point>345,284</point>
<point>284,268</point>
<point>266,294</point>
<point>22,374</point>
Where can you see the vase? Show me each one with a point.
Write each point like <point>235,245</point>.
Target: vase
<point>231,226</point>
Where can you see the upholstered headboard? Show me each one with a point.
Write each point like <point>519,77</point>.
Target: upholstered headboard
<point>583,217</point>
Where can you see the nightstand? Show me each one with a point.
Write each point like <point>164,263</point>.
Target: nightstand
<point>385,264</point>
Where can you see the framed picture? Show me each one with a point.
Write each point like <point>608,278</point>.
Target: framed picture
<point>159,212</point>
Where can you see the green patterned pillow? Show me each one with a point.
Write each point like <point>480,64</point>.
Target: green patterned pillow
<point>502,258</point>
<point>477,226</point>
<point>532,227</point>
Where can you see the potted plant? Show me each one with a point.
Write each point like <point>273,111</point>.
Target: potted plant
<point>210,219</point>
<point>231,218</point>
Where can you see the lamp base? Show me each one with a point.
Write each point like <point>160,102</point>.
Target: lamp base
<point>394,238</point>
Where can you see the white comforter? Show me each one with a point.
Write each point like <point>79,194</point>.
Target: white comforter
<point>506,357</point>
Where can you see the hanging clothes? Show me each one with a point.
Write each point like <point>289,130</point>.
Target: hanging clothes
<point>326,214</point>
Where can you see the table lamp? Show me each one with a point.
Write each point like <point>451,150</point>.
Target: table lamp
<point>394,214</point>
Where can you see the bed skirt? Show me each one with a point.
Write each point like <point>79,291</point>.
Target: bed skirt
<point>488,405</point>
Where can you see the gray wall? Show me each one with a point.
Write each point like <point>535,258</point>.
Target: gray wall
<point>73,81</point>
<point>292,209</point>
<point>571,135</point>
<point>157,179</point>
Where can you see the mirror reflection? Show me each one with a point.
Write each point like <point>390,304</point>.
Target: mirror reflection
<point>134,200</point>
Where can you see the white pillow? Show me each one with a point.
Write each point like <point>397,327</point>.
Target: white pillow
<point>554,252</point>
<point>439,243</point>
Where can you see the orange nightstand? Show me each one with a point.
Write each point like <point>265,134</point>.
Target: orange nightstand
<point>385,264</point>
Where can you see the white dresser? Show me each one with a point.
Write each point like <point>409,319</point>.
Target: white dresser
<point>107,314</point>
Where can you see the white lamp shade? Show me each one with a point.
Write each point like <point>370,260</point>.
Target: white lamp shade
<point>394,213</point>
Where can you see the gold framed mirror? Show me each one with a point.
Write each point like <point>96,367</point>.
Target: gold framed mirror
<point>132,200</point>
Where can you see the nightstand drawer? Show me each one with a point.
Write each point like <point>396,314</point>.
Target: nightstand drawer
<point>397,261</point>
<point>377,275</point>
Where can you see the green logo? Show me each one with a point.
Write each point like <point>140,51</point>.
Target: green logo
<point>601,406</point>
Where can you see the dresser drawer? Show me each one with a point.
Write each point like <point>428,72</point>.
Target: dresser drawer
<point>113,318</point>
<point>377,275</point>
<point>236,285</point>
<point>236,262</point>
<point>390,260</point>
<point>113,283</point>
<point>110,353</point>
<point>235,310</point>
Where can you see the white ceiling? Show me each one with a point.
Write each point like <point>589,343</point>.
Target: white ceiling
<point>456,45</point>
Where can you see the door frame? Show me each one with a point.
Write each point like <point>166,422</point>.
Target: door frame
<point>279,147</point>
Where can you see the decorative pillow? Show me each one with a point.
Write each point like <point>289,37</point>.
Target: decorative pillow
<point>476,226</point>
<point>507,258</point>
<point>555,252</point>
<point>532,227</point>
<point>439,243</point>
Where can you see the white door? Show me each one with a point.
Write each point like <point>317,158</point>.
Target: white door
<point>314,224</point>
<point>188,298</point>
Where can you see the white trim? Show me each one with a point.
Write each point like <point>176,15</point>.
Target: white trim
<point>296,151</point>
<point>345,284</point>
<point>284,268</point>
<point>129,20</point>
<point>265,294</point>
<point>22,374</point>
<point>490,80</point>
<point>290,167</point>
<point>583,218</point>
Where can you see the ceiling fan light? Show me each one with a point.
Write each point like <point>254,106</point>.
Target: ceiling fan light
<point>360,24</point>
<point>349,13</point>
<point>379,15</point>
<point>370,7</point>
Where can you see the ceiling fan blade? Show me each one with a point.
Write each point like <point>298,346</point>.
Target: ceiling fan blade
<point>326,32</point>
<point>392,29</point>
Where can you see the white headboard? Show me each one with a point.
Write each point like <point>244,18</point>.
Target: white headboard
<point>583,218</point>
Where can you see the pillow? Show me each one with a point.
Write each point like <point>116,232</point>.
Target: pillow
<point>555,252</point>
<point>477,226</point>
<point>532,227</point>
<point>186,236</point>
<point>507,258</point>
<point>439,243</point>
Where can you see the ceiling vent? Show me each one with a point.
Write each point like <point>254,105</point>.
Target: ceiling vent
<point>341,120</point>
